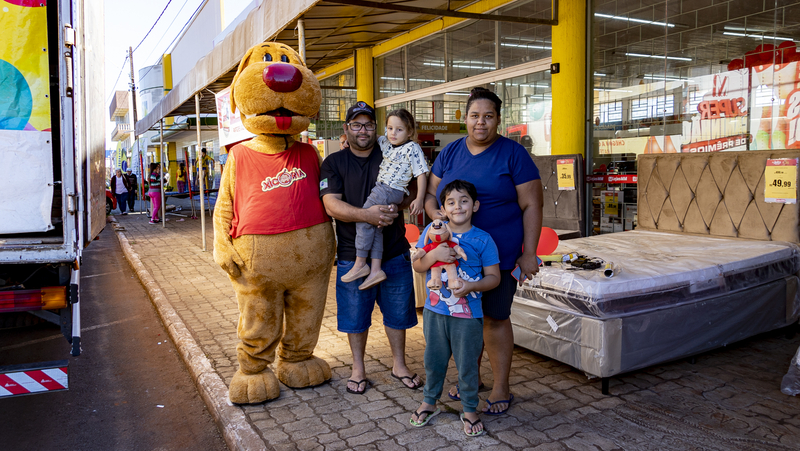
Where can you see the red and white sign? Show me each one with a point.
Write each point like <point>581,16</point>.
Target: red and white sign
<point>622,178</point>
<point>716,145</point>
<point>229,123</point>
<point>33,381</point>
<point>719,121</point>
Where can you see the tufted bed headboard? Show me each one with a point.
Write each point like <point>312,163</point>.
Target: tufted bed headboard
<point>563,210</point>
<point>715,194</point>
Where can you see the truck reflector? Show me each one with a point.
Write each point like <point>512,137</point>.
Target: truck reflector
<point>17,380</point>
<point>47,298</point>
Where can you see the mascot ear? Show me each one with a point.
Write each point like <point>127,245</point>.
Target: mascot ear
<point>242,65</point>
<point>427,239</point>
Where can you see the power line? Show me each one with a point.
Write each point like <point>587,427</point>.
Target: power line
<point>176,36</point>
<point>114,86</point>
<point>154,25</point>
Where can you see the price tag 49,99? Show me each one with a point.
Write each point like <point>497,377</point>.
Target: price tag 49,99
<point>780,181</point>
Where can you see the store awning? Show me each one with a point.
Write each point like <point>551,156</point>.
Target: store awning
<point>333,30</point>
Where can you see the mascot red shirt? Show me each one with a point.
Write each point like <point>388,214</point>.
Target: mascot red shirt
<point>279,192</point>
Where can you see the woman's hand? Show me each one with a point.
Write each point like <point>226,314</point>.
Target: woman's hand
<point>528,266</point>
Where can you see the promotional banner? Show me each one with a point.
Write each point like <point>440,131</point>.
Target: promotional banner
<point>231,129</point>
<point>718,107</point>
<point>776,106</point>
<point>24,70</point>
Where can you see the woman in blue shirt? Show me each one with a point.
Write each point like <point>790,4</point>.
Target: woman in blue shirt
<point>511,212</point>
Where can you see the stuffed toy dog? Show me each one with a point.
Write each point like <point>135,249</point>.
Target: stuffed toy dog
<point>271,233</point>
<point>439,233</point>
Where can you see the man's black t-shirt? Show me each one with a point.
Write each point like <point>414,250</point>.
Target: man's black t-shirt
<point>354,177</point>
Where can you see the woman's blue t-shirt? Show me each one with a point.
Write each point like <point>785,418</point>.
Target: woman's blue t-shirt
<point>495,172</point>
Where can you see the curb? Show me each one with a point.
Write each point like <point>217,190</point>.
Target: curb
<point>236,430</point>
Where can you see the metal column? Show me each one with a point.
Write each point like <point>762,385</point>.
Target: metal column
<point>201,185</point>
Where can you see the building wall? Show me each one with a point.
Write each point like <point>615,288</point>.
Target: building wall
<point>197,41</point>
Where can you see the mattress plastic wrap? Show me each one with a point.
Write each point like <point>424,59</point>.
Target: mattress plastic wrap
<point>671,296</point>
<point>655,270</point>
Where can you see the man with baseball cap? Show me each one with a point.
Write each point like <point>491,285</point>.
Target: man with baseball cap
<point>346,180</point>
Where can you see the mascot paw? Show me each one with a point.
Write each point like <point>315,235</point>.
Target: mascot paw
<point>308,373</point>
<point>253,388</point>
<point>434,284</point>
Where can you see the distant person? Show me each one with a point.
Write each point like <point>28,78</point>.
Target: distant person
<point>181,178</point>
<point>154,192</point>
<point>343,141</point>
<point>134,184</point>
<point>206,167</point>
<point>120,188</point>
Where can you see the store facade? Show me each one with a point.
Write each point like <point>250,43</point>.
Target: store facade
<point>654,76</point>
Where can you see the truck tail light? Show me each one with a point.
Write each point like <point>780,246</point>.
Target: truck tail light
<point>47,298</point>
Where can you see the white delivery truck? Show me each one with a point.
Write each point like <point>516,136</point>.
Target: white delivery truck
<point>52,172</point>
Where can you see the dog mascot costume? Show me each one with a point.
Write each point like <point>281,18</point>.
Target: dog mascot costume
<point>271,233</point>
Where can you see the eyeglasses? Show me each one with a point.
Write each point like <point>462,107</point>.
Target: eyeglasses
<point>357,126</point>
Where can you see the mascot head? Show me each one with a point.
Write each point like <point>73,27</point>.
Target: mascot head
<point>274,90</point>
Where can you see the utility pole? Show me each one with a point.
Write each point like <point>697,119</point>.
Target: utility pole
<point>133,131</point>
<point>133,89</point>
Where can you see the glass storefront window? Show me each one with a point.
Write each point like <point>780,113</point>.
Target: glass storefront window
<point>335,102</point>
<point>675,76</point>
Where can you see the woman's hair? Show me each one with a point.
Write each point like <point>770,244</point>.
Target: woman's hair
<point>407,119</point>
<point>483,93</point>
<point>153,166</point>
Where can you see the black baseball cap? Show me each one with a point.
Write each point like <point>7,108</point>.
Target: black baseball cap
<point>359,108</point>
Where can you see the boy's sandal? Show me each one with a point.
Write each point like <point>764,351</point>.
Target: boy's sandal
<point>358,386</point>
<point>372,281</point>
<point>472,424</point>
<point>428,415</point>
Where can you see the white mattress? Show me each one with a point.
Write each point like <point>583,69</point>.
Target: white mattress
<point>654,270</point>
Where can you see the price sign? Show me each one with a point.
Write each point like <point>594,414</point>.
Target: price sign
<point>566,174</point>
<point>610,203</point>
<point>780,181</point>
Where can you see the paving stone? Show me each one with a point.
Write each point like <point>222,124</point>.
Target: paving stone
<point>728,399</point>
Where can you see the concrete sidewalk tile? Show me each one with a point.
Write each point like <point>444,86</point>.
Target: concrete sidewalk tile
<point>730,397</point>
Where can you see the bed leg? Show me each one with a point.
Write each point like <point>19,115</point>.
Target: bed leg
<point>604,385</point>
<point>692,360</point>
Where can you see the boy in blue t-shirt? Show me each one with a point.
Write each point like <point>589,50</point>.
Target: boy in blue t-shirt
<point>453,320</point>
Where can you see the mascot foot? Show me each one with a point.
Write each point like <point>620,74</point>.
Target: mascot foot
<point>253,388</point>
<point>434,284</point>
<point>308,373</point>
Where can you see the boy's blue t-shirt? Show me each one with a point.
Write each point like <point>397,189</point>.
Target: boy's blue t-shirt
<point>481,251</point>
<point>495,172</point>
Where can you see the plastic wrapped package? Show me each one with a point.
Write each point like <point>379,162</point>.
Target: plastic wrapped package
<point>654,270</point>
<point>790,384</point>
<point>686,295</point>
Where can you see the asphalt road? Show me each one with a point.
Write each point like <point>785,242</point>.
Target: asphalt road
<point>129,390</point>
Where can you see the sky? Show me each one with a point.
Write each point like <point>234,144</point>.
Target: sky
<point>126,25</point>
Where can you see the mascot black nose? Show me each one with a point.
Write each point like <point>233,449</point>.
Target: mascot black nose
<point>281,77</point>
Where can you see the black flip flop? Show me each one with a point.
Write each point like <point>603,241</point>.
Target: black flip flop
<point>413,385</point>
<point>358,384</point>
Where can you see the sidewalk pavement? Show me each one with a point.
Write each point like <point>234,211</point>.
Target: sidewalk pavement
<point>729,399</point>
